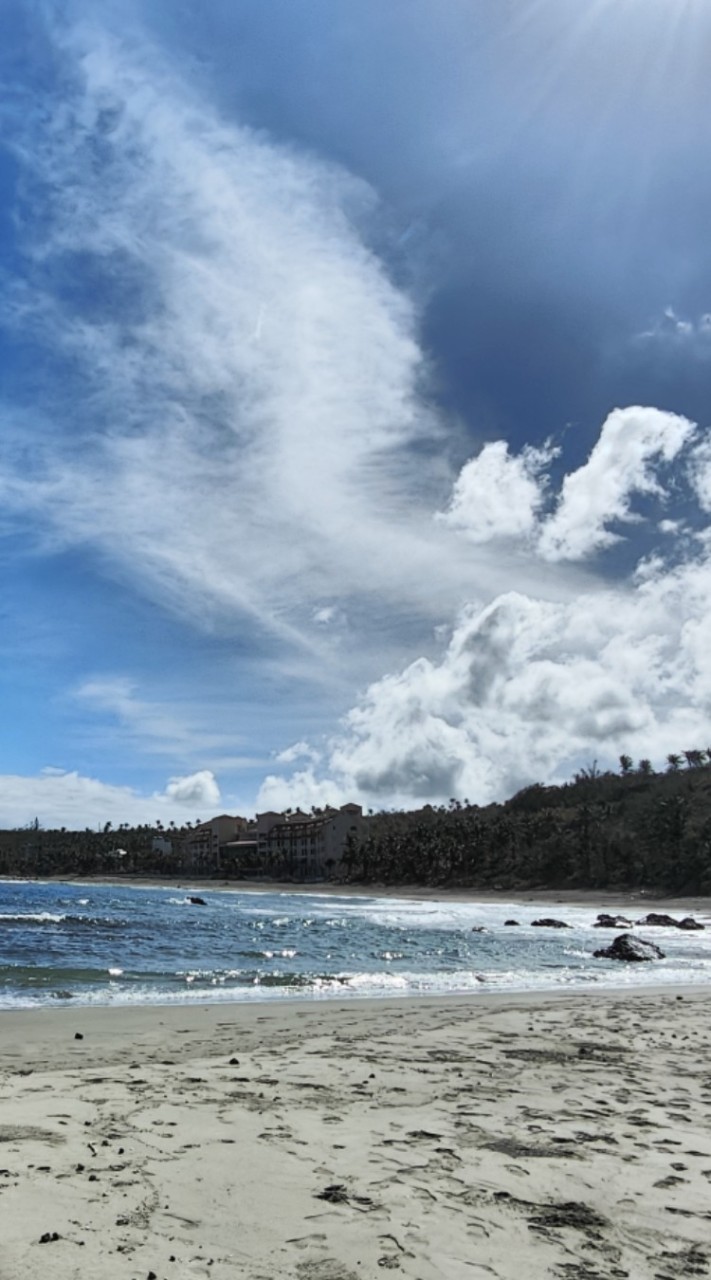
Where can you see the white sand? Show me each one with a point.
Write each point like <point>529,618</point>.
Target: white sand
<point>516,1137</point>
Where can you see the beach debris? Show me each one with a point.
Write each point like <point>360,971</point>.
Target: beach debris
<point>579,1217</point>
<point>605,921</point>
<point>628,947</point>
<point>511,922</point>
<point>197,902</point>
<point>49,1237</point>
<point>547,922</point>
<point>336,1193</point>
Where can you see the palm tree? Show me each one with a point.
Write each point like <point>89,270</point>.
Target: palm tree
<point>626,764</point>
<point>673,762</point>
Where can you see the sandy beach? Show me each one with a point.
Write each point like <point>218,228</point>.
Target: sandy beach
<point>565,1136</point>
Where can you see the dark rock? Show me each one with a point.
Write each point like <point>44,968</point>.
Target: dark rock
<point>511,922</point>
<point>628,947</point>
<point>198,902</point>
<point>548,923</point>
<point>660,921</point>
<point>48,1237</point>
<point>689,923</point>
<point>78,1035</point>
<point>478,928</point>
<point>605,921</point>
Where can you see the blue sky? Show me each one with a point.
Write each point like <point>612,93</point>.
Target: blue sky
<point>355,398</point>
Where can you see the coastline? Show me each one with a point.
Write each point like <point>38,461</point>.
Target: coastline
<point>624,899</point>
<point>458,1136</point>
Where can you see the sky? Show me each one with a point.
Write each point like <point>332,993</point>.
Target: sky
<point>355,364</point>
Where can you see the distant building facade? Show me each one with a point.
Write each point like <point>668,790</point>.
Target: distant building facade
<point>306,846</point>
<point>202,845</point>
<point>291,845</point>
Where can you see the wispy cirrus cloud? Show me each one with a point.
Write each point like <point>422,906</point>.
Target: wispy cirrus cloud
<point>229,410</point>
<point>233,383</point>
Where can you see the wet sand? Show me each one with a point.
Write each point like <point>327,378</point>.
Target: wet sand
<point>559,1136</point>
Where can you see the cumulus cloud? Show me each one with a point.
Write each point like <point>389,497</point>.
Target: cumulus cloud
<point>232,400</point>
<point>500,495</point>
<point>699,473</point>
<point>63,798</point>
<point>302,790</point>
<point>632,444</point>
<point>527,689</point>
<point>530,687</point>
<point>196,789</point>
<point>497,495</point>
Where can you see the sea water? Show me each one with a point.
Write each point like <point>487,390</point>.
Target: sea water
<point>114,944</point>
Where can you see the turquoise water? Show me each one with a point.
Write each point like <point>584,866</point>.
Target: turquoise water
<point>107,944</point>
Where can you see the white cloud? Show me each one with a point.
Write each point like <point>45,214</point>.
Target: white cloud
<point>677,333</point>
<point>699,472</point>
<point>240,380</point>
<point>529,687</point>
<point>297,751</point>
<point>231,431</point>
<point>183,728</point>
<point>61,798</point>
<point>497,495</point>
<point>302,790</point>
<point>526,690</point>
<point>199,789</point>
<point>632,442</point>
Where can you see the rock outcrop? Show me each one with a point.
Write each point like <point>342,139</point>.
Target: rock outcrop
<point>663,921</point>
<point>605,921</point>
<point>548,923</point>
<point>628,947</point>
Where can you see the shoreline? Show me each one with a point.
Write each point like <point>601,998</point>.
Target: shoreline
<point>625,899</point>
<point>461,1137</point>
<point>114,1027</point>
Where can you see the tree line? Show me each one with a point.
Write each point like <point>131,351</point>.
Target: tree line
<point>602,830</point>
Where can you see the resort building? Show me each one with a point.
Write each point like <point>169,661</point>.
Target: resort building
<point>306,846</point>
<point>292,845</point>
<point>202,845</point>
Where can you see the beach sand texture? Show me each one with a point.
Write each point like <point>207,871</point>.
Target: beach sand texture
<point>510,1137</point>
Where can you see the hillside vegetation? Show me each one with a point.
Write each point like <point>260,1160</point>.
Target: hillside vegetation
<point>628,830</point>
<point>602,830</point>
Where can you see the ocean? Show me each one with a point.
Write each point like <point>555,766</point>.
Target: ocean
<point>81,944</point>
